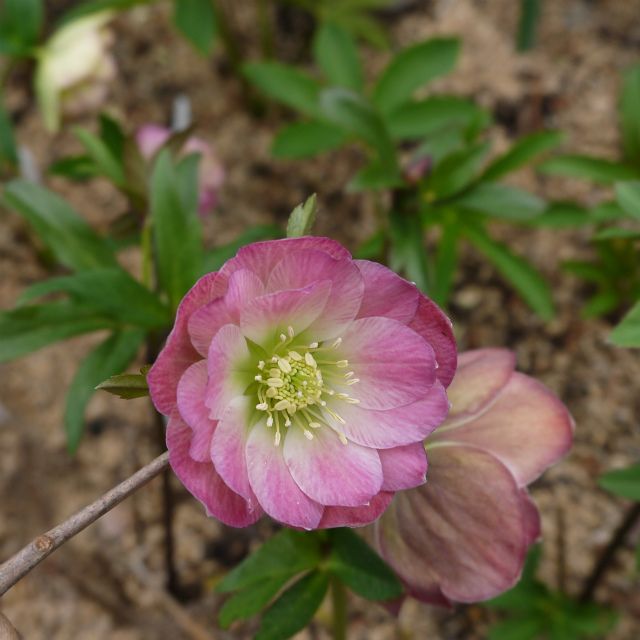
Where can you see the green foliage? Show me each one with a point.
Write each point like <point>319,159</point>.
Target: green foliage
<point>20,26</point>
<point>337,56</point>
<point>623,482</point>
<point>302,218</point>
<point>126,385</point>
<point>196,20</point>
<point>535,612</point>
<point>8,150</point>
<point>528,23</point>
<point>588,168</point>
<point>627,333</point>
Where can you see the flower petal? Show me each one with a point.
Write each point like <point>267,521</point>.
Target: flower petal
<point>206,322</point>
<point>191,394</point>
<point>266,317</point>
<point>202,480</point>
<point>228,448</point>
<point>178,353</point>
<point>383,429</point>
<point>386,294</point>
<point>403,467</point>
<point>480,377</point>
<point>273,485</point>
<point>464,534</point>
<point>526,427</point>
<point>393,364</point>
<point>299,269</point>
<point>244,286</point>
<point>330,472</point>
<point>262,257</point>
<point>228,357</point>
<point>431,323</point>
<point>356,516</point>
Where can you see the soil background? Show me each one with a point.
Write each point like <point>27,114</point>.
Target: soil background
<point>107,583</point>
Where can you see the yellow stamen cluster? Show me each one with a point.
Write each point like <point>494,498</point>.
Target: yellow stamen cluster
<point>292,383</point>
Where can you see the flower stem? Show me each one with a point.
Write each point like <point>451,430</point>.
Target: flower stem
<point>339,602</point>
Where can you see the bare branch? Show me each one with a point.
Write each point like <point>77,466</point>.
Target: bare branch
<point>37,550</point>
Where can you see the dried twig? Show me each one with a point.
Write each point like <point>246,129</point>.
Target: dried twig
<point>28,557</point>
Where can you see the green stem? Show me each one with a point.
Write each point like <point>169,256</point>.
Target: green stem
<point>266,29</point>
<point>147,253</point>
<point>339,602</point>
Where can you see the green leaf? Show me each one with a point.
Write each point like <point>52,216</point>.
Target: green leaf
<point>286,84</point>
<point>588,168</point>
<point>302,218</point>
<point>302,139</point>
<point>196,20</point>
<point>294,609</point>
<point>70,238</point>
<point>111,292</point>
<point>355,115</point>
<point>176,229</point>
<point>8,152</point>
<point>521,153</point>
<point>585,270</point>
<point>419,119</point>
<point>457,171</point>
<point>445,263</point>
<point>616,232</point>
<point>372,248</point>
<point>562,214</point>
<point>126,385</point>
<point>501,201</point>
<point>528,23</point>
<point>527,281</point>
<point>336,54</point>
<point>413,68</point>
<point>287,553</point>
<point>28,329</point>
<point>113,136</point>
<point>407,252</point>
<point>215,258</point>
<point>102,156</point>
<point>629,118</point>
<point>378,174</point>
<point>249,601</point>
<point>88,7</point>
<point>627,333</point>
<point>20,25</point>
<point>628,196</point>
<point>74,168</point>
<point>113,355</point>
<point>607,212</point>
<point>623,482</point>
<point>361,568</point>
<point>601,304</point>
<point>527,628</point>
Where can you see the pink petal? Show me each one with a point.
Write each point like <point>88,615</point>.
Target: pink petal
<point>435,327</point>
<point>403,467</point>
<point>203,482</point>
<point>356,516</point>
<point>392,427</point>
<point>532,518</point>
<point>228,357</point>
<point>273,485</point>
<point>526,427</point>
<point>266,317</point>
<point>178,353</point>
<point>330,472</point>
<point>480,377</point>
<point>150,138</point>
<point>393,364</point>
<point>191,394</point>
<point>262,257</point>
<point>300,269</point>
<point>386,294</point>
<point>244,286</point>
<point>205,322</point>
<point>463,535</point>
<point>228,448</point>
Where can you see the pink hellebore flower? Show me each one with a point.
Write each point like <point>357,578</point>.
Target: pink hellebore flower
<point>301,383</point>
<point>151,137</point>
<point>463,536</point>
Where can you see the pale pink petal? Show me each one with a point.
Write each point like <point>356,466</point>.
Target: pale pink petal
<point>150,138</point>
<point>273,485</point>
<point>356,516</point>
<point>191,393</point>
<point>435,327</point>
<point>463,535</point>
<point>393,364</point>
<point>206,322</point>
<point>300,269</point>
<point>392,427</point>
<point>178,353</point>
<point>262,257</point>
<point>532,518</point>
<point>268,316</point>
<point>526,427</point>
<point>203,482</point>
<point>480,377</point>
<point>333,473</point>
<point>244,286</point>
<point>228,447</point>
<point>403,467</point>
<point>386,294</point>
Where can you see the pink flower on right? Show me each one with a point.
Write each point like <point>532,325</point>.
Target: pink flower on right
<point>463,536</point>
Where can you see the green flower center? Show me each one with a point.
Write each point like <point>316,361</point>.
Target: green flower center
<point>295,386</point>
